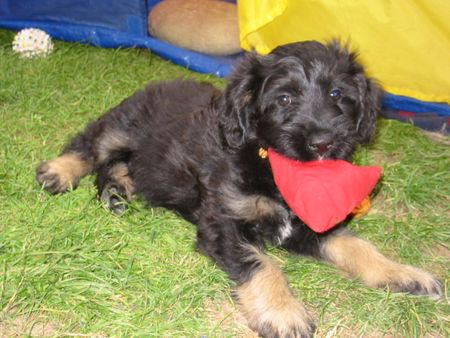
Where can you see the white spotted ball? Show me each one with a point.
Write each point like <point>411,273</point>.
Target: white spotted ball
<point>32,42</point>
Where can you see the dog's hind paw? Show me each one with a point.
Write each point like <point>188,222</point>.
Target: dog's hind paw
<point>62,173</point>
<point>114,198</point>
<point>55,180</point>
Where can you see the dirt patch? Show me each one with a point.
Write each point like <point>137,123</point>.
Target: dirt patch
<point>28,326</point>
<point>342,330</point>
<point>380,205</point>
<point>36,326</point>
<point>437,137</point>
<point>441,250</point>
<point>224,316</point>
<point>380,157</point>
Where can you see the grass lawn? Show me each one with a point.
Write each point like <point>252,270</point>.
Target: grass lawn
<point>70,268</point>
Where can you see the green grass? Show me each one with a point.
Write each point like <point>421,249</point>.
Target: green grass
<point>69,268</point>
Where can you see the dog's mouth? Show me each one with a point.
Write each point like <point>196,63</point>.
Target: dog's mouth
<point>330,154</point>
<point>322,157</point>
<point>336,152</point>
<point>306,149</point>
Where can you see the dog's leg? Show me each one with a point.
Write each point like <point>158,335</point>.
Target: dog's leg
<point>360,259</point>
<point>262,292</point>
<point>102,141</point>
<point>115,187</point>
<point>267,302</point>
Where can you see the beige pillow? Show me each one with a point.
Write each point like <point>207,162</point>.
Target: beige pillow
<point>206,26</point>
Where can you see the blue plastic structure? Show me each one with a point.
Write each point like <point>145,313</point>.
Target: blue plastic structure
<point>104,23</point>
<point>117,23</point>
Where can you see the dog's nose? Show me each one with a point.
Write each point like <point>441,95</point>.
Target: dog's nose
<point>320,148</point>
<point>320,144</point>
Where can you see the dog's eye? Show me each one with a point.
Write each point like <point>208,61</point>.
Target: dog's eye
<point>336,94</point>
<point>284,100</point>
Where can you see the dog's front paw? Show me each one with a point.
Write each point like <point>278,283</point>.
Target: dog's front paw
<point>360,259</point>
<point>269,306</point>
<point>281,320</point>
<point>414,281</point>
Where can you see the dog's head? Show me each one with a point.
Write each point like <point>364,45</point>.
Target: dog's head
<point>306,100</point>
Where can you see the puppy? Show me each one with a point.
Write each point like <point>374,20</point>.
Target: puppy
<point>189,147</point>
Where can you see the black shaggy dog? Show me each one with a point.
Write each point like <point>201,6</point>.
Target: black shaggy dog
<point>190,147</point>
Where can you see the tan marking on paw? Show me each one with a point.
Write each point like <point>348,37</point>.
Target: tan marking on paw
<point>269,306</point>
<point>358,258</point>
<point>63,172</point>
<point>119,173</point>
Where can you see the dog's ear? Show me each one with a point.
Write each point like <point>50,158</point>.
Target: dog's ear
<point>370,97</point>
<point>370,93</point>
<point>238,104</point>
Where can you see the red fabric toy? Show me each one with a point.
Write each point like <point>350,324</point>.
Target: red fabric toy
<point>322,193</point>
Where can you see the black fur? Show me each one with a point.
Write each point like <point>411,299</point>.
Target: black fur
<point>187,154</point>
<point>194,149</point>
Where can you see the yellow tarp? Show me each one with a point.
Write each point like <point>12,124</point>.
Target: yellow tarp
<point>405,44</point>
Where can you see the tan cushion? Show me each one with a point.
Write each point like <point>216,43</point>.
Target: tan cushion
<point>206,26</point>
